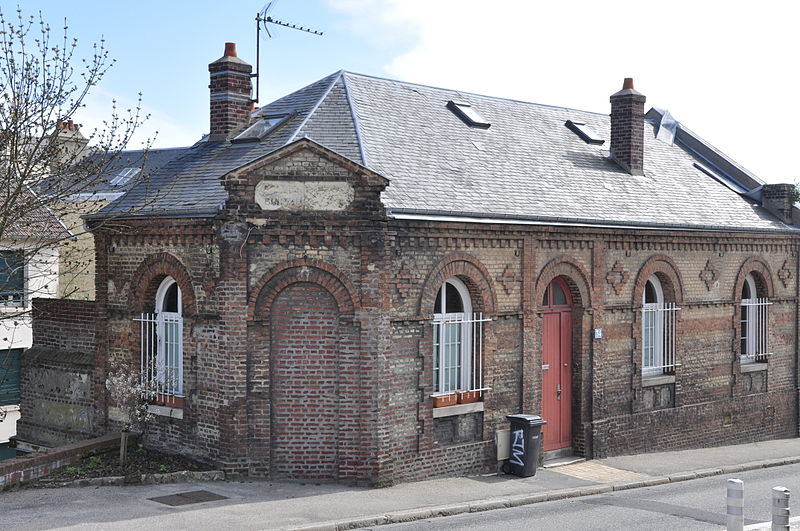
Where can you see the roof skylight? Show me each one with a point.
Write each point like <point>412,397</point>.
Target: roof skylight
<point>468,114</point>
<point>585,132</point>
<point>124,176</point>
<point>263,126</point>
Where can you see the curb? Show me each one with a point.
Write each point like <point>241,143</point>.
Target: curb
<point>184,476</point>
<point>518,500</point>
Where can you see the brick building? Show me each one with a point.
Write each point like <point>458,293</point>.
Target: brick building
<point>306,281</point>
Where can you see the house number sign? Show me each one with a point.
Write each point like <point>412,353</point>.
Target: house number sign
<point>306,195</point>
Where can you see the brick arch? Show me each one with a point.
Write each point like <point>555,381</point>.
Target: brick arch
<point>303,270</point>
<point>148,276</point>
<point>667,272</point>
<point>575,276</point>
<point>467,268</point>
<point>763,277</point>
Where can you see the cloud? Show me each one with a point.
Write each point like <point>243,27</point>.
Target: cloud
<point>159,127</point>
<point>723,69</point>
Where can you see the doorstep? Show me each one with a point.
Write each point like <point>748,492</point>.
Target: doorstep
<point>560,457</point>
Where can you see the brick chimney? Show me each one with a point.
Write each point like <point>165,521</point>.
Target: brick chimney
<point>231,93</point>
<point>627,128</point>
<point>778,199</point>
<point>68,143</point>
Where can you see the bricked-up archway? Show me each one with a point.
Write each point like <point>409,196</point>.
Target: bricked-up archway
<point>572,273</point>
<point>305,375</point>
<point>304,364</point>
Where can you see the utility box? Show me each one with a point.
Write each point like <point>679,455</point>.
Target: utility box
<point>526,432</point>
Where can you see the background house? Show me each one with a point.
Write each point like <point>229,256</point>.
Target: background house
<point>28,268</point>
<point>304,282</point>
<point>115,175</point>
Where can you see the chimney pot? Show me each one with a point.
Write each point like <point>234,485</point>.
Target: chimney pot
<point>231,94</point>
<point>627,84</point>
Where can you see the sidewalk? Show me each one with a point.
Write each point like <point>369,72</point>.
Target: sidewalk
<point>281,505</point>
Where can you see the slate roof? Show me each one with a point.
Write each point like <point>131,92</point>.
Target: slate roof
<point>144,162</point>
<point>526,166</point>
<point>38,223</point>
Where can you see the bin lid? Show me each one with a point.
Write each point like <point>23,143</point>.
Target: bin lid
<point>532,420</point>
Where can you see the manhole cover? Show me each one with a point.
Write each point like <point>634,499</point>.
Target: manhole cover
<point>187,498</point>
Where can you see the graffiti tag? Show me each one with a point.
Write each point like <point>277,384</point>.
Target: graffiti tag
<point>517,448</point>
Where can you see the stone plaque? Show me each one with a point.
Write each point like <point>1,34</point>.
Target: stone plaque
<point>307,195</point>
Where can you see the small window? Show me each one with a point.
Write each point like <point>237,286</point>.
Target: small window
<point>754,331</point>
<point>12,278</point>
<point>468,114</point>
<point>10,370</point>
<point>586,133</point>
<point>263,126</point>
<point>124,176</point>
<point>162,345</point>
<point>556,294</point>
<point>457,341</point>
<point>658,331</point>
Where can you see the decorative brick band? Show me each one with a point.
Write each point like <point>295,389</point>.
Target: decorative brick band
<point>569,268</point>
<point>155,267</point>
<point>763,277</point>
<point>668,274</point>
<point>467,268</point>
<point>303,270</point>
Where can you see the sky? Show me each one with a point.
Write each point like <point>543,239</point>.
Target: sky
<point>726,70</point>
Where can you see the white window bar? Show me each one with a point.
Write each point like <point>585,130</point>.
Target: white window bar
<point>161,363</point>
<point>658,338</point>
<point>458,353</point>
<point>755,330</point>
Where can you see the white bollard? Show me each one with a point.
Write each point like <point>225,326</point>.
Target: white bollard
<point>735,512</point>
<point>780,509</point>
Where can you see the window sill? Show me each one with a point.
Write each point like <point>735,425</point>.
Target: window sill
<point>753,367</point>
<point>164,411</point>
<point>458,409</point>
<point>651,381</point>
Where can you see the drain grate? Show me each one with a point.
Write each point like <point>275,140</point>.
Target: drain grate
<point>188,498</point>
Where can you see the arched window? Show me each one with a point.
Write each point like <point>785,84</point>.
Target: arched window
<point>162,342</point>
<point>658,330</point>
<point>457,340</point>
<point>754,323</point>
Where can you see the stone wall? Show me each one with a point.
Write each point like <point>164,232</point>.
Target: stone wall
<point>60,390</point>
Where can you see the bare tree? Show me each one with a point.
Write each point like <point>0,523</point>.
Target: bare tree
<point>48,168</point>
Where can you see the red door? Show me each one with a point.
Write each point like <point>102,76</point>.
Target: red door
<point>557,366</point>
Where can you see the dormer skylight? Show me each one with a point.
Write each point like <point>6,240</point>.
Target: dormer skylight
<point>586,133</point>
<point>124,176</point>
<point>262,127</point>
<point>468,114</point>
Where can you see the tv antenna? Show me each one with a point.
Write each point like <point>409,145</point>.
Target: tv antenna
<point>263,19</point>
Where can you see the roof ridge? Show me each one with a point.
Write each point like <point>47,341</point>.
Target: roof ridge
<point>336,76</point>
<point>356,124</point>
<point>434,87</point>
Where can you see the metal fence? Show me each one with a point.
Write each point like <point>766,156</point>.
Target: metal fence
<point>458,353</point>
<point>755,330</point>
<point>658,338</point>
<point>162,354</point>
